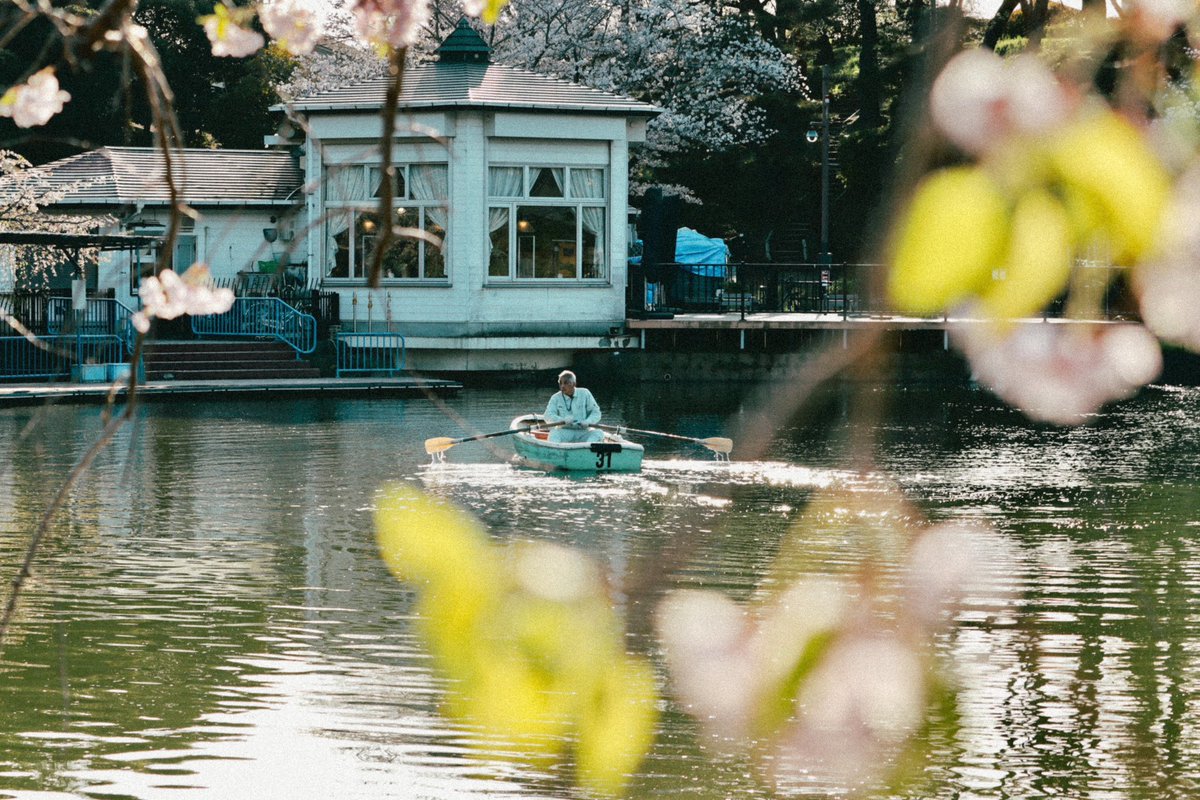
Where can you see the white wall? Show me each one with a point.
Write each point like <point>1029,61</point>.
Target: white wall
<point>470,304</point>
<point>229,240</point>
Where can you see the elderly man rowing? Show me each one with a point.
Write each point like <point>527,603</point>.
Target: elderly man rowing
<point>576,407</point>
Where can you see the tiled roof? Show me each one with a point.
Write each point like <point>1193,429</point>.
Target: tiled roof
<point>127,175</point>
<point>476,85</point>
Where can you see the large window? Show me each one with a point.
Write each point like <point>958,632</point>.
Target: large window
<point>352,221</point>
<point>546,223</point>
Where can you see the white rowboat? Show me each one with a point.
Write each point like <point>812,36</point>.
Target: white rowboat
<point>534,448</point>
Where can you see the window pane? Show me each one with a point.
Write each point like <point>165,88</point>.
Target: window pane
<point>498,221</point>
<point>366,233</point>
<point>546,246</point>
<point>337,243</point>
<point>346,182</point>
<point>587,183</point>
<point>546,182</point>
<point>593,242</point>
<point>504,181</point>
<point>428,181</point>
<point>398,185</point>
<point>435,261</point>
<point>402,259</point>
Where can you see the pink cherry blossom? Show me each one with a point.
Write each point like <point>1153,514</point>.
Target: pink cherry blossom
<point>391,23</point>
<point>1168,284</point>
<point>1060,372</point>
<point>228,38</point>
<point>291,24</point>
<point>34,102</point>
<point>981,100</point>
<point>168,295</point>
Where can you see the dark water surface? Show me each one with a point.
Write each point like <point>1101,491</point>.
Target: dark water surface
<point>209,618</point>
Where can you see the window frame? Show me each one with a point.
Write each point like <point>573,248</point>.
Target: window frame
<point>513,203</point>
<point>354,209</point>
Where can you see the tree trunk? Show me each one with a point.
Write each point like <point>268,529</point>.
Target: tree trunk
<point>869,91</point>
<point>998,24</point>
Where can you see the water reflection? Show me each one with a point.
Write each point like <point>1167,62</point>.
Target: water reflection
<point>209,617</point>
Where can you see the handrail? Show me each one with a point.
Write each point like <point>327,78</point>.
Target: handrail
<point>100,316</point>
<point>262,318</point>
<point>839,289</point>
<point>372,352</point>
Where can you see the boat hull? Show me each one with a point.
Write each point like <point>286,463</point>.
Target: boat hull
<point>614,454</point>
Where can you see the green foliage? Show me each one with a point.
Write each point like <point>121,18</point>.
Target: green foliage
<point>218,101</point>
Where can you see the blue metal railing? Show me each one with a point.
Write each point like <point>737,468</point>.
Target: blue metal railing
<point>53,356</point>
<point>101,316</point>
<point>373,353</point>
<point>262,318</point>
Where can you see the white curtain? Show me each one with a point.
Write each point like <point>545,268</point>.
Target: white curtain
<point>587,183</point>
<point>431,182</point>
<point>593,223</point>
<point>504,182</point>
<point>337,224</point>
<point>346,182</point>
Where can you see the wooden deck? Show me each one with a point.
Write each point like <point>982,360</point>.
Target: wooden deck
<point>829,321</point>
<point>27,393</point>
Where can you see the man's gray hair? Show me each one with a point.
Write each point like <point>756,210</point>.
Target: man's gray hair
<point>566,376</point>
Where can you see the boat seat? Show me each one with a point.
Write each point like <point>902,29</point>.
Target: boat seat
<point>543,435</point>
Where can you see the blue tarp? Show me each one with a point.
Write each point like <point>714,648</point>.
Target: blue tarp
<point>692,247</point>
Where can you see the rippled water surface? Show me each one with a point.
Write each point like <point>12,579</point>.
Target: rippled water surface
<point>209,619</point>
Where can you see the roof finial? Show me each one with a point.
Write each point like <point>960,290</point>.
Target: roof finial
<point>464,45</point>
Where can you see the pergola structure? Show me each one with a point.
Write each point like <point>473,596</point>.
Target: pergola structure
<point>75,242</point>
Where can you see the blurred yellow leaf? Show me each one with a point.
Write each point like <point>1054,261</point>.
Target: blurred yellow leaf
<point>424,540</point>
<point>1038,264</point>
<point>532,646</point>
<point>950,237</point>
<point>616,727</point>
<point>491,10</point>
<point>1108,160</point>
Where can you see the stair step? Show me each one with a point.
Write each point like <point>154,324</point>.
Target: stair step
<point>224,360</point>
<point>222,355</point>
<point>230,375</point>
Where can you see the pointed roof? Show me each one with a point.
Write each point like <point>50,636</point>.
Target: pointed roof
<point>464,45</point>
<point>443,85</point>
<point>464,77</point>
<point>129,175</point>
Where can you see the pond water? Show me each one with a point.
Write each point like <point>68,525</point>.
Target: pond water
<point>209,617</point>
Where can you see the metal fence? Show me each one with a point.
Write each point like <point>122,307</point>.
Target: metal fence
<point>379,353</point>
<point>839,289</point>
<point>262,318</point>
<point>54,356</point>
<point>100,316</point>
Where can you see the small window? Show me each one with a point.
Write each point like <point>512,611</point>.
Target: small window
<point>505,181</point>
<point>546,182</point>
<point>398,182</point>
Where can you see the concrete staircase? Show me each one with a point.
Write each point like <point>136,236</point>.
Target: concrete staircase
<point>204,360</point>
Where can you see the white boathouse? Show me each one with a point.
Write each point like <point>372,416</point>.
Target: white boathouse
<point>520,180</point>
<point>523,177</point>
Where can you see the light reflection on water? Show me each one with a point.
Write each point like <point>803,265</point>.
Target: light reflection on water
<point>210,620</point>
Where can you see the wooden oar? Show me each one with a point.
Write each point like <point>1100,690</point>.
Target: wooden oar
<point>440,444</point>
<point>717,444</point>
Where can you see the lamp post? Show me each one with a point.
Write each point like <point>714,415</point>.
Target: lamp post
<point>824,255</point>
<point>819,132</point>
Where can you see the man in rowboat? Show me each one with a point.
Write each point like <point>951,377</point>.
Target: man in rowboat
<point>576,406</point>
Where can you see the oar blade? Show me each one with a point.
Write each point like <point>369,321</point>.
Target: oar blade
<point>717,443</point>
<point>438,444</point>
